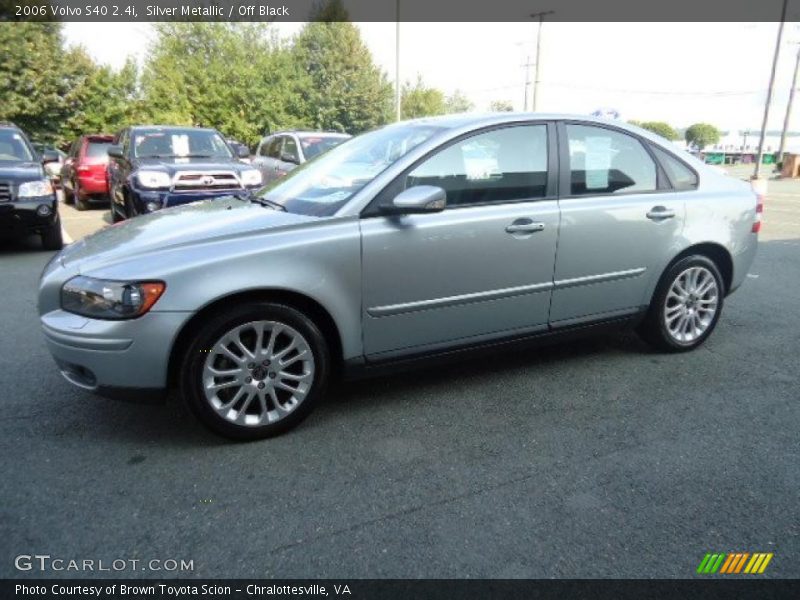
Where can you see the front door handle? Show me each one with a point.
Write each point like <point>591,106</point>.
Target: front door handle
<point>524,226</point>
<point>658,213</point>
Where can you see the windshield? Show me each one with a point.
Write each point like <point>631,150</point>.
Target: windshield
<point>179,143</point>
<point>13,147</point>
<point>315,145</point>
<point>323,186</point>
<point>97,149</point>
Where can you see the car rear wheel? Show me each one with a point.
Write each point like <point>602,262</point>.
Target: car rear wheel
<point>80,202</point>
<point>52,238</point>
<point>255,371</point>
<point>686,306</point>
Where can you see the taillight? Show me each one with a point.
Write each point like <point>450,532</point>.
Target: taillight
<point>759,212</point>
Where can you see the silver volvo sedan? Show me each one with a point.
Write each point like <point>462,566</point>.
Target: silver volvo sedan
<point>412,241</point>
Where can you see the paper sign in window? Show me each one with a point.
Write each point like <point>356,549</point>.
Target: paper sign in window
<point>598,162</point>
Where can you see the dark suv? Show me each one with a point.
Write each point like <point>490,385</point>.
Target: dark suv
<point>28,203</point>
<point>154,167</point>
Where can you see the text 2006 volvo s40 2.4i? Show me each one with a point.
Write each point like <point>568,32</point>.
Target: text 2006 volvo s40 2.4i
<point>414,240</point>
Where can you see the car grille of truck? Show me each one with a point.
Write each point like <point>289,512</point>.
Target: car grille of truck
<point>5,192</point>
<point>206,182</point>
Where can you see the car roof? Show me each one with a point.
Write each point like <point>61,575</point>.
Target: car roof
<point>171,127</point>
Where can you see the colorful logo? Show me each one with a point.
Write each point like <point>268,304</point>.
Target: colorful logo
<point>734,562</point>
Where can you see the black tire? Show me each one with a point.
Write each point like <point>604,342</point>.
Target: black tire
<point>52,238</point>
<point>654,328</point>
<point>209,333</point>
<point>112,207</point>
<point>80,203</point>
<point>69,198</point>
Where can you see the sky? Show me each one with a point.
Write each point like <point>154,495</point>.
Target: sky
<point>681,73</point>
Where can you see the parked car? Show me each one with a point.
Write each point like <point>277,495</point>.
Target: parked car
<point>240,150</point>
<point>28,202</point>
<point>279,153</point>
<point>387,250</point>
<point>154,167</point>
<point>83,175</point>
<point>53,169</point>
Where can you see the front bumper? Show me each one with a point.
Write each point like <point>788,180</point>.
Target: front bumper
<point>118,358</point>
<point>20,218</point>
<point>165,199</point>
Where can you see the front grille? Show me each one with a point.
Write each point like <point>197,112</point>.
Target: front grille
<point>204,182</point>
<point>5,192</point>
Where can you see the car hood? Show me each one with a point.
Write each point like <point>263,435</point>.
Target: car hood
<point>20,171</point>
<point>174,165</point>
<point>182,226</point>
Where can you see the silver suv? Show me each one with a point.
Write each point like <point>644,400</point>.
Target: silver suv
<point>414,240</point>
<point>280,153</point>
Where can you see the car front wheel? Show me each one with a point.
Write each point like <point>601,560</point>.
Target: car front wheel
<point>686,306</point>
<point>255,371</point>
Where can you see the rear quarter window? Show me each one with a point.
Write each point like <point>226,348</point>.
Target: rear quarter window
<point>680,175</point>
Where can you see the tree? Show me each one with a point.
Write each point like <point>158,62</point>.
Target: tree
<point>701,135</point>
<point>236,77</point>
<point>420,100</point>
<point>501,106</point>
<point>34,83</point>
<point>457,102</point>
<point>346,91</point>
<point>661,128</point>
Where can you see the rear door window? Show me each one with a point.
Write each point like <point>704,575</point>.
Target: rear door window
<point>605,161</point>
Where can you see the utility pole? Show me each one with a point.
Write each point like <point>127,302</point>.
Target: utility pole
<point>397,62</point>
<point>540,15</point>
<point>527,66</point>
<point>760,157</point>
<point>782,148</point>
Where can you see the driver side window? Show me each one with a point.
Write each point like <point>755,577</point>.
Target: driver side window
<point>501,165</point>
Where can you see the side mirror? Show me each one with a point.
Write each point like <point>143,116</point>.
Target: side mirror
<point>242,151</point>
<point>49,156</point>
<point>417,200</point>
<point>115,151</point>
<point>289,158</point>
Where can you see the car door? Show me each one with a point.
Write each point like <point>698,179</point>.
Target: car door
<point>68,170</point>
<point>261,160</point>
<point>481,268</point>
<point>118,170</point>
<point>289,156</point>
<point>619,223</point>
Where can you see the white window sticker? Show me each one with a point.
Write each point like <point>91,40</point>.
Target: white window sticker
<point>598,162</point>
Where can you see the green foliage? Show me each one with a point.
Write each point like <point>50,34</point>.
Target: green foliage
<point>501,106</point>
<point>346,91</point>
<point>55,95</point>
<point>701,135</point>
<point>457,102</point>
<point>665,130</point>
<point>236,77</point>
<point>420,100</point>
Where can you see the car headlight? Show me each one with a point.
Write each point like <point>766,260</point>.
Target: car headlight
<point>154,179</point>
<point>31,189</point>
<point>102,299</point>
<point>251,177</point>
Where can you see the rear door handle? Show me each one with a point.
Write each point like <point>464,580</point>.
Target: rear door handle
<point>524,226</point>
<point>658,213</point>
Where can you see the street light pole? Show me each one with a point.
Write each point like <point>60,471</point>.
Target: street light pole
<point>760,157</point>
<point>782,148</point>
<point>540,16</point>
<point>397,63</point>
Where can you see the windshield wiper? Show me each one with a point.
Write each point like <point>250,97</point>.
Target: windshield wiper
<point>248,195</point>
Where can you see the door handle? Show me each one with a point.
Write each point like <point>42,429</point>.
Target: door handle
<point>657,213</point>
<point>524,226</point>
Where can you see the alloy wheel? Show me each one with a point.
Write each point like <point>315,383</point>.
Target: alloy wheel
<point>691,304</point>
<point>258,373</point>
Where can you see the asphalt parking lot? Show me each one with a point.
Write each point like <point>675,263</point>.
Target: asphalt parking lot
<point>597,458</point>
